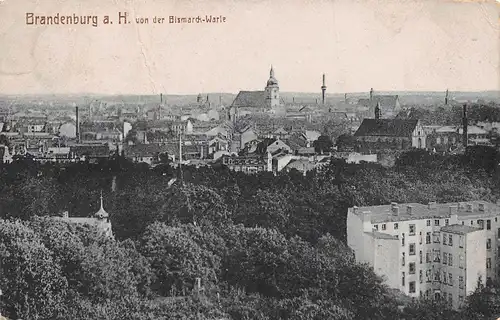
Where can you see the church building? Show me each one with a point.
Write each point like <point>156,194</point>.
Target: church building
<point>247,102</point>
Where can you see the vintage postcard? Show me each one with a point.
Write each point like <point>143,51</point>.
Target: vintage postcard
<point>249,160</point>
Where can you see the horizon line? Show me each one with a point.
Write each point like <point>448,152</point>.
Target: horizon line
<point>215,92</point>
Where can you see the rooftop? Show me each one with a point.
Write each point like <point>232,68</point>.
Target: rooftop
<point>459,229</point>
<point>386,127</point>
<point>381,235</point>
<point>417,211</point>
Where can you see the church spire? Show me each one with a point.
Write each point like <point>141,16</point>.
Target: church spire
<point>271,72</point>
<point>101,214</point>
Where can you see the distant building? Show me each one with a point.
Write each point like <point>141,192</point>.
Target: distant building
<point>249,164</point>
<point>439,251</point>
<point>148,153</point>
<point>257,101</point>
<point>450,138</point>
<point>99,220</point>
<point>389,105</point>
<point>5,156</point>
<point>390,134</point>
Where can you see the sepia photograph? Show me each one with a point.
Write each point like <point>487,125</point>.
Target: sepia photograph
<point>249,160</point>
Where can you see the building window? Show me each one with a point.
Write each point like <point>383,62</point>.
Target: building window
<point>488,263</point>
<point>383,226</point>
<point>461,282</point>
<point>412,286</point>
<point>428,276</point>
<point>461,299</point>
<point>450,279</point>
<point>395,226</point>
<point>471,223</point>
<point>412,249</point>
<point>450,299</point>
<point>446,222</point>
<point>437,276</point>
<point>403,279</point>
<point>412,229</point>
<point>444,277</point>
<point>450,240</point>
<point>436,237</point>
<point>450,260</point>
<point>428,257</point>
<point>420,237</point>
<point>428,223</point>
<point>480,223</point>
<point>463,222</point>
<point>461,261</point>
<point>403,260</point>
<point>428,237</point>
<point>445,296</point>
<point>437,256</point>
<point>420,256</point>
<point>461,241</point>
<point>436,223</point>
<point>411,267</point>
<point>403,239</point>
<point>376,227</point>
<point>438,140</point>
<point>488,224</point>
<point>488,244</point>
<point>444,239</point>
<point>420,276</point>
<point>445,258</point>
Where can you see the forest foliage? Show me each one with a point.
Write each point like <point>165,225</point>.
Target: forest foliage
<point>264,246</point>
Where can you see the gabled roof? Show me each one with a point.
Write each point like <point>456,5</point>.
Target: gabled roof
<point>280,130</point>
<point>255,99</point>
<point>386,127</point>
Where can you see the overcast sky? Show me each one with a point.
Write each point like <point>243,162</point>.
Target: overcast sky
<point>388,45</point>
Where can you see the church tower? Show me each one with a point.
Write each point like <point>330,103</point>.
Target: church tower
<point>272,91</point>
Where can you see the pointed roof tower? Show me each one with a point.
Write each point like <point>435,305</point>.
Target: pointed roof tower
<point>272,80</point>
<point>101,213</point>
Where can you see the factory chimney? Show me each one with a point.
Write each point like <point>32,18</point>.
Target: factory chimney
<point>371,94</point>
<point>77,125</point>
<point>464,126</point>
<point>323,90</point>
<point>446,98</point>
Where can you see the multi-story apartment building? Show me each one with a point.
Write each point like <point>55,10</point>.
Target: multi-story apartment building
<point>440,251</point>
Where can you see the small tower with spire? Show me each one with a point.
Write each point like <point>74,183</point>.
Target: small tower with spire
<point>102,214</point>
<point>103,221</point>
<point>272,90</point>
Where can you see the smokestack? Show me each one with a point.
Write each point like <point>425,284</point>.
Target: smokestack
<point>464,126</point>
<point>446,98</point>
<point>323,90</point>
<point>161,98</point>
<point>345,97</point>
<point>371,94</point>
<point>77,125</point>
